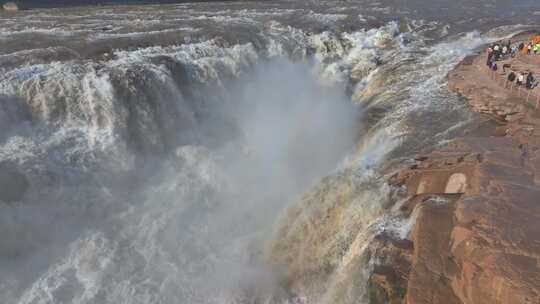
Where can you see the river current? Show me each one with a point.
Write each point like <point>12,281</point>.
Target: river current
<point>190,153</point>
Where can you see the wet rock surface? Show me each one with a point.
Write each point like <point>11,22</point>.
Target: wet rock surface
<point>480,246</point>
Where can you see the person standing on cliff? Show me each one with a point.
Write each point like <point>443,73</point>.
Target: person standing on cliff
<point>520,79</point>
<point>513,50</point>
<point>496,51</point>
<point>494,67</point>
<point>529,81</point>
<point>536,48</point>
<point>512,76</point>
<point>524,153</point>
<point>489,56</point>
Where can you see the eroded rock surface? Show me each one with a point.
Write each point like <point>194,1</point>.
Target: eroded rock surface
<point>477,233</point>
<point>481,246</point>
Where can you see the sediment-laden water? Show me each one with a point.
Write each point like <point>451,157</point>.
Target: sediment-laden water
<point>218,152</point>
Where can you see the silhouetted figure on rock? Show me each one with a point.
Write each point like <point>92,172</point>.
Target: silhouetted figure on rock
<point>512,76</point>
<point>529,81</point>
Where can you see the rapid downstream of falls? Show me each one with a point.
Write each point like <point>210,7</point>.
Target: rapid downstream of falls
<point>213,153</point>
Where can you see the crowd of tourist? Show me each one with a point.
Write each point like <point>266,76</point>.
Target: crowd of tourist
<point>520,79</point>
<point>498,51</point>
<point>501,51</point>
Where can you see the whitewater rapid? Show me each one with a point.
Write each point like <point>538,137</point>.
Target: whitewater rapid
<point>190,153</point>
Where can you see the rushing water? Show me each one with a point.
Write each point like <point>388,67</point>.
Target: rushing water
<point>207,153</point>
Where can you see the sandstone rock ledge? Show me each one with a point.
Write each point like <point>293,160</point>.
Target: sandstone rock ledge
<point>477,202</point>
